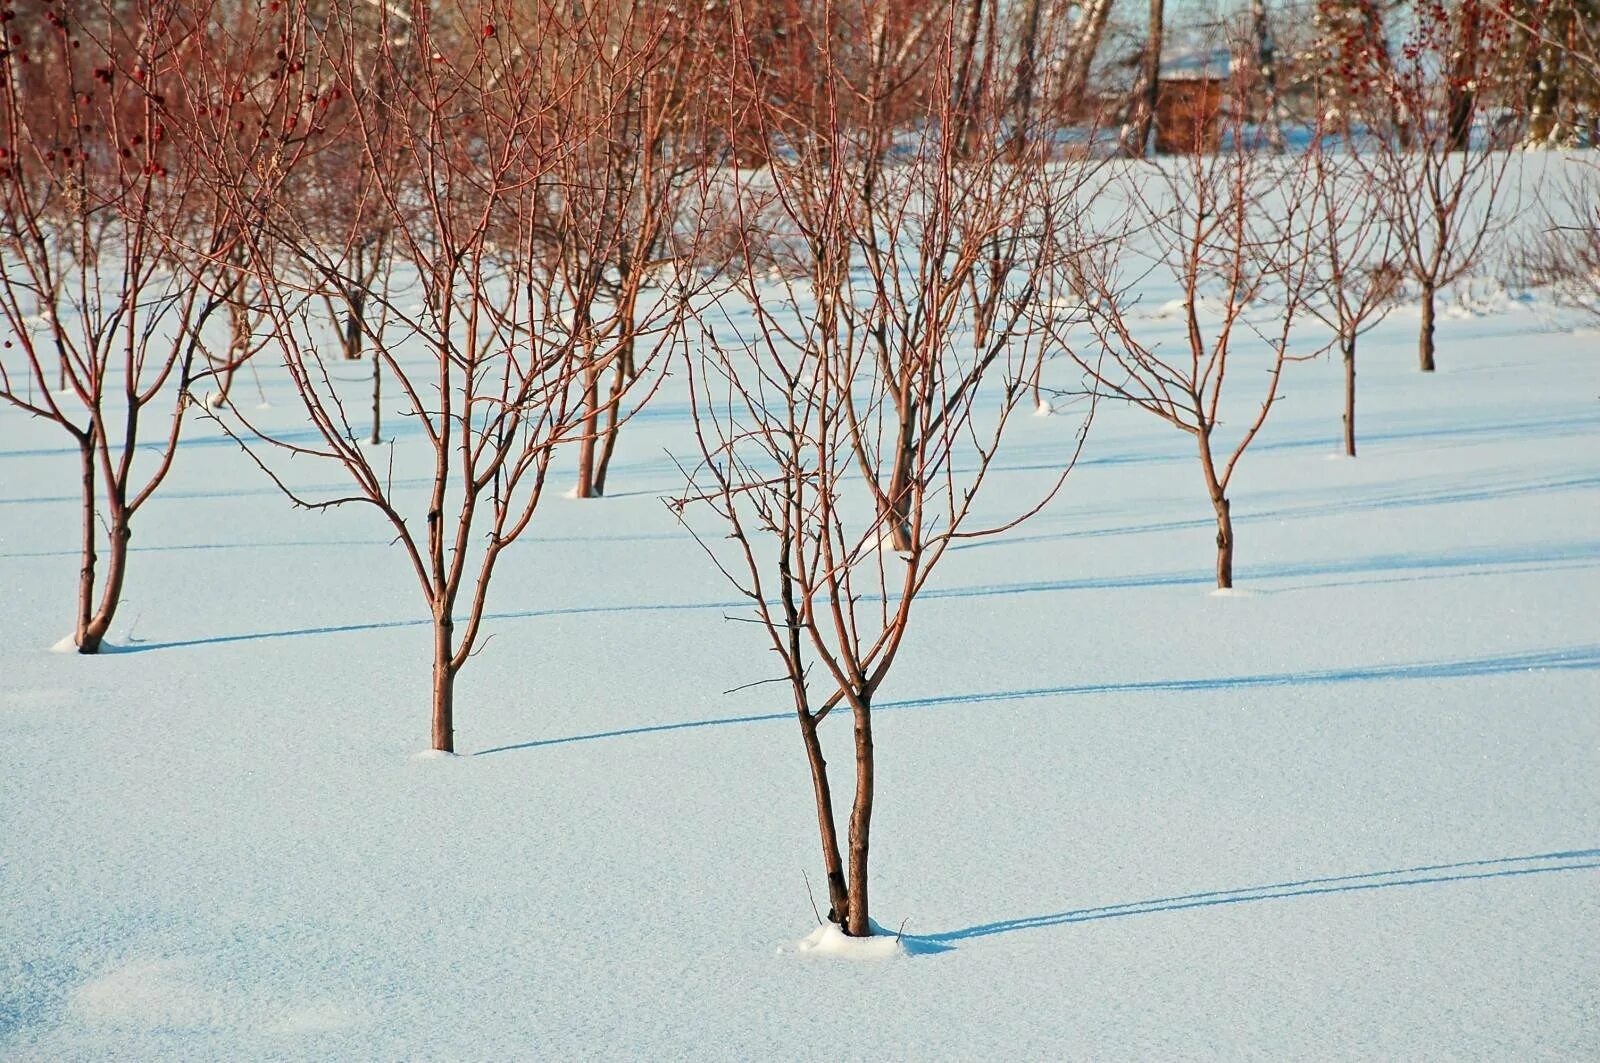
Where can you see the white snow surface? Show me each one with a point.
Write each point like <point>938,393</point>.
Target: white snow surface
<point>1352,813</point>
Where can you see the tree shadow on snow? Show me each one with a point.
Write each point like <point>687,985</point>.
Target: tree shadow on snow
<point>1538,557</point>
<point>1379,500</point>
<point>1572,658</point>
<point>1464,871</point>
<point>1436,434</point>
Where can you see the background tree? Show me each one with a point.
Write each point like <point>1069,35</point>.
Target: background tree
<point>1440,194</point>
<point>626,190</point>
<point>1149,83</point>
<point>113,249</point>
<point>489,350</point>
<point>1563,252</point>
<point>1233,230</point>
<point>1356,277</point>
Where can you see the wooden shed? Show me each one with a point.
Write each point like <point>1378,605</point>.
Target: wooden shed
<point>1190,95</point>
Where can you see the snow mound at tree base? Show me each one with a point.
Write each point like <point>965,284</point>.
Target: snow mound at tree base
<point>69,644</point>
<point>829,940</point>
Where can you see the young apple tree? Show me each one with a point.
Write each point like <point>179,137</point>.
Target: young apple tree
<point>486,342</point>
<point>112,246</point>
<point>1441,194</point>
<point>627,189</point>
<point>846,414</point>
<point>1353,254</point>
<point>1563,251</point>
<point>1233,231</point>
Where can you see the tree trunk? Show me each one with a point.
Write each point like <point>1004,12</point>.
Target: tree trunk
<point>1425,336</point>
<point>241,336</point>
<point>377,400</point>
<point>608,435</point>
<point>962,101</point>
<point>116,569</point>
<point>1085,44</point>
<point>86,570</point>
<point>591,429</point>
<point>1461,91</point>
<point>857,923</point>
<point>1022,97</point>
<point>353,323</point>
<point>1349,351</point>
<point>838,891</point>
<point>1151,86</point>
<point>1216,489</point>
<point>1545,80</point>
<point>444,684</point>
<point>624,372</point>
<point>1224,542</point>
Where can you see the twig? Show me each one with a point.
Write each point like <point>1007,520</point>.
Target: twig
<point>811,897</point>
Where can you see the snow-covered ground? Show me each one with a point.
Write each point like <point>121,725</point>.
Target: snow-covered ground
<point>1352,810</point>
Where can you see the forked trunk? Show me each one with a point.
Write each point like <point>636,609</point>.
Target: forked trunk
<point>608,434</point>
<point>857,922</point>
<point>241,334</point>
<point>444,684</point>
<point>833,866</point>
<point>1425,337</point>
<point>1349,350</point>
<point>94,631</point>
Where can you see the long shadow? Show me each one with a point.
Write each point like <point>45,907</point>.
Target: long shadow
<point>257,490</point>
<point>1412,500</point>
<point>1569,553</point>
<point>387,625</point>
<point>1543,428</point>
<point>1538,553</point>
<point>170,548</point>
<point>173,548</point>
<point>1463,871</point>
<point>1572,658</point>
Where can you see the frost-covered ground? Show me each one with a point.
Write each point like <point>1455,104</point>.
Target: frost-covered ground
<point>1350,811</point>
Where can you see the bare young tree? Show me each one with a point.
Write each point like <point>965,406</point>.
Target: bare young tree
<point>1233,231</point>
<point>628,188</point>
<point>111,245</point>
<point>1444,208</point>
<point>1440,194</point>
<point>1356,274</point>
<point>1563,252</point>
<point>845,435</point>
<point>486,343</point>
